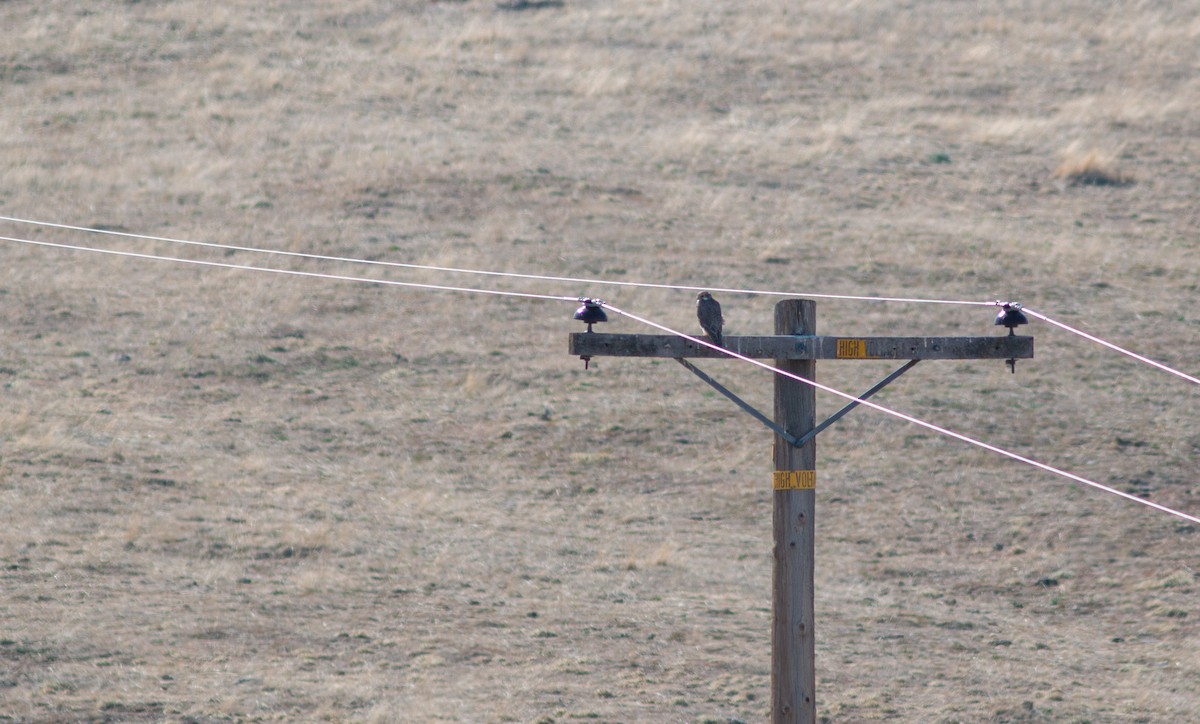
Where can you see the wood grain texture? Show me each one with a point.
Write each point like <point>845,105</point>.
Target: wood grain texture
<point>793,670</point>
<point>792,347</point>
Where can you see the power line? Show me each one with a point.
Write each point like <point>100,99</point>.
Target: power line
<point>485,272</point>
<point>612,282</point>
<point>291,272</point>
<point>1110,345</point>
<point>909,418</point>
<point>526,295</point>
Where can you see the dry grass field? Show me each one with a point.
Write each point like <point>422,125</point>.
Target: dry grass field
<point>238,496</point>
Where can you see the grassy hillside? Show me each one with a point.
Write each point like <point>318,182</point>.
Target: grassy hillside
<point>233,496</point>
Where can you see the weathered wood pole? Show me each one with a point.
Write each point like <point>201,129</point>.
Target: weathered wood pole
<point>793,670</point>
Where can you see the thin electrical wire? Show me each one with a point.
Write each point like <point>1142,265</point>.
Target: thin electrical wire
<point>525,295</point>
<point>1113,347</point>
<point>485,272</point>
<point>611,282</point>
<point>291,272</point>
<point>909,418</point>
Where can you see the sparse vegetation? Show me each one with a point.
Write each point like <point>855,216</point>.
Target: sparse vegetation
<point>231,496</point>
<point>1092,168</point>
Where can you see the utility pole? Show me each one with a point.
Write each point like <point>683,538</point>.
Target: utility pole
<point>795,347</point>
<point>793,670</point>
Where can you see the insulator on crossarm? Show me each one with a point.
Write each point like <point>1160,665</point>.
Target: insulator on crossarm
<point>1012,317</point>
<point>590,312</point>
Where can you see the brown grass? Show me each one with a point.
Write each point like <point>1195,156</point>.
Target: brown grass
<point>231,496</point>
<point>1093,168</point>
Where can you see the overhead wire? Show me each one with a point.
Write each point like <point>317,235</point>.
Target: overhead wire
<point>612,282</point>
<point>909,418</point>
<point>486,272</point>
<point>1116,348</point>
<point>292,272</point>
<point>472,290</point>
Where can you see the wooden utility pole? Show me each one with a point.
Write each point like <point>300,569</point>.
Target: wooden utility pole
<point>795,347</point>
<point>793,671</point>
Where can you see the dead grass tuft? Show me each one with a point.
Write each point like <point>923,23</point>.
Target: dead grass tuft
<point>1092,168</point>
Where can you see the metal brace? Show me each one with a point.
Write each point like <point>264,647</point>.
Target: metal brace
<point>855,403</point>
<point>787,436</point>
<point>740,402</point>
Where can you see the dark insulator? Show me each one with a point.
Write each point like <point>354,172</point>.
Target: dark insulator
<point>591,312</point>
<point>1011,316</point>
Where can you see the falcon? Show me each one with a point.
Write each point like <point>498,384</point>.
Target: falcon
<point>708,311</point>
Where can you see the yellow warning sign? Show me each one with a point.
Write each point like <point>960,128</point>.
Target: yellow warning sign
<point>795,480</point>
<point>852,349</point>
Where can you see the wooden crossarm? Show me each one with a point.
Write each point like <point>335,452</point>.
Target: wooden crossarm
<point>595,344</point>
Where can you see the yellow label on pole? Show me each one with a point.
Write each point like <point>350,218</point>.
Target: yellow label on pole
<point>795,480</point>
<point>852,349</point>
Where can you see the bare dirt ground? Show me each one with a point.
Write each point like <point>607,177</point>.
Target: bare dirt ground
<point>234,496</point>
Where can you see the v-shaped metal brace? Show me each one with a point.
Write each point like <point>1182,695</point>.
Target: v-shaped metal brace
<point>808,436</point>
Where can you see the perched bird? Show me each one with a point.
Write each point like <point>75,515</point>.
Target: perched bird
<point>708,311</point>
